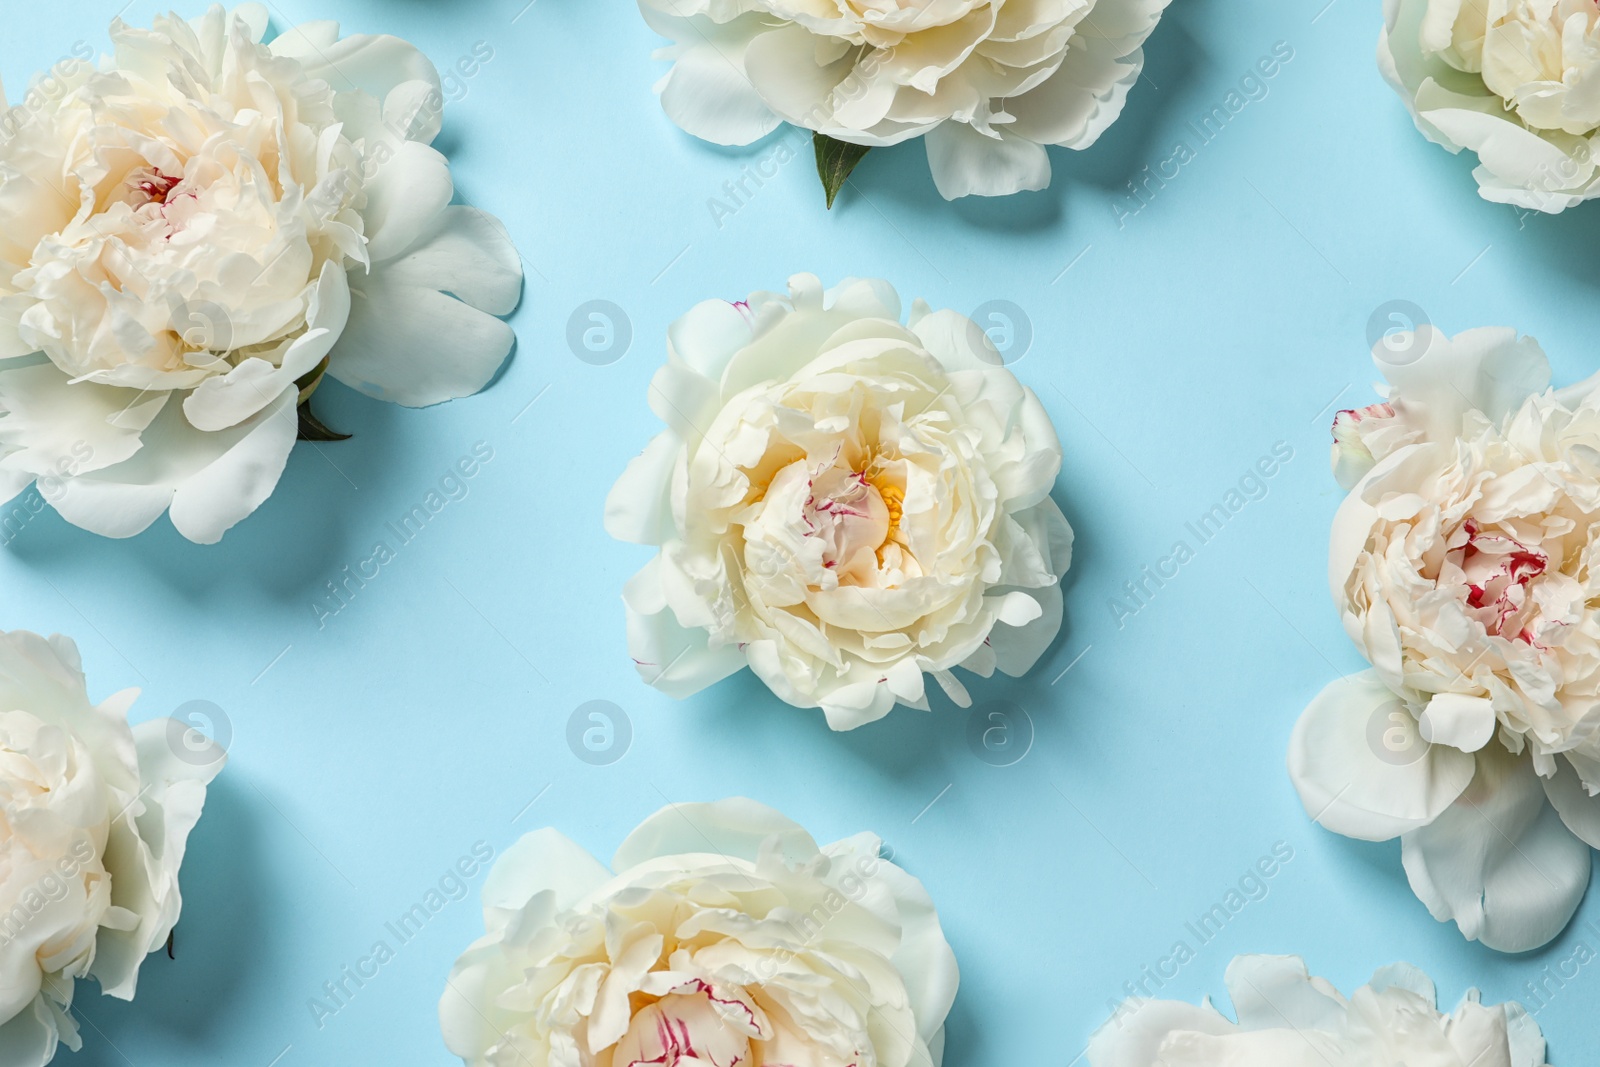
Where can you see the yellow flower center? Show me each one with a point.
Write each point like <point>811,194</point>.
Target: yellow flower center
<point>894,498</point>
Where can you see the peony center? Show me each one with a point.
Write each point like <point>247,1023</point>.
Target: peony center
<point>1498,570</point>
<point>682,1030</point>
<point>151,186</point>
<point>854,516</point>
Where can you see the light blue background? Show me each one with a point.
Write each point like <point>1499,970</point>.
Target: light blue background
<point>1227,315</point>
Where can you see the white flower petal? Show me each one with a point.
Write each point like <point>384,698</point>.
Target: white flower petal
<point>29,1038</point>
<point>1081,100</point>
<point>677,660</point>
<point>227,400</point>
<point>404,200</point>
<point>683,399</point>
<point>967,163</point>
<point>736,827</point>
<point>1344,782</point>
<point>1135,1035</point>
<point>795,79</point>
<point>1289,1019</point>
<point>1578,809</point>
<point>465,253</point>
<point>407,340</point>
<point>12,346</point>
<point>414,345</point>
<point>847,707</point>
<point>152,839</point>
<point>707,92</point>
<point>255,18</point>
<point>544,861</point>
<point>924,956</point>
<point>1507,149</point>
<point>1499,861</point>
<point>1016,609</point>
<point>469,1016</point>
<point>1458,720</point>
<point>1278,991</point>
<point>1491,370</point>
<point>1016,649</point>
<point>639,507</point>
<point>710,335</point>
<point>52,428</point>
<point>209,480</point>
<point>1522,1032</point>
<point>364,63</point>
<point>307,40</point>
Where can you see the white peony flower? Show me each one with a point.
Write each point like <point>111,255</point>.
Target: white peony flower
<point>842,503</point>
<point>1463,563</point>
<point>193,232</point>
<point>1515,81</point>
<point>95,820</point>
<point>989,83</point>
<point>726,938</point>
<point>1287,1018</point>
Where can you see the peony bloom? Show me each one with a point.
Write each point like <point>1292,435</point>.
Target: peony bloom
<point>989,83</point>
<point>1463,563</point>
<point>1286,1018</point>
<point>842,503</point>
<point>726,938</point>
<point>96,819</point>
<point>1515,81</point>
<point>194,231</point>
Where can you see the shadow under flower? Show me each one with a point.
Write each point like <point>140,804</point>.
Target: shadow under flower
<point>286,546</point>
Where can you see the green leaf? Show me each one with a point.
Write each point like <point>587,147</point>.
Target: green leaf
<point>835,161</point>
<point>312,429</point>
<point>308,382</point>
